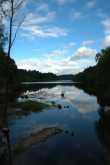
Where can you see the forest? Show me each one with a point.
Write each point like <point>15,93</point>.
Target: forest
<point>96,79</point>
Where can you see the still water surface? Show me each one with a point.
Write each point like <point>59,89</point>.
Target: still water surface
<point>82,140</point>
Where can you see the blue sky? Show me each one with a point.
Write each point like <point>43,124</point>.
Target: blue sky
<point>62,36</point>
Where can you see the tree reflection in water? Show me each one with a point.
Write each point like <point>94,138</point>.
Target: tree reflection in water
<point>102,126</point>
<point>103,130</point>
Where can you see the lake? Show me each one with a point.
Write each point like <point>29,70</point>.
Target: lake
<point>82,139</point>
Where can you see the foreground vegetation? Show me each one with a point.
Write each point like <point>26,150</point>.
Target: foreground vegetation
<point>31,106</point>
<point>11,76</point>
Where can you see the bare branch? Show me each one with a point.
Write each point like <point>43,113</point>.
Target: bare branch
<point>18,5</point>
<point>18,27</point>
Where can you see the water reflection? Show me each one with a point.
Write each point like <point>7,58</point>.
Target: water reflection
<point>103,130</point>
<point>103,97</point>
<point>79,142</point>
<point>102,125</point>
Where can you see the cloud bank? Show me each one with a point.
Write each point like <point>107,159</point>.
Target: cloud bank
<point>57,63</point>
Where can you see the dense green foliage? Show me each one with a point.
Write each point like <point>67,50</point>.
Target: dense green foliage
<point>8,73</point>
<point>66,77</point>
<point>96,79</point>
<point>99,73</point>
<point>34,76</point>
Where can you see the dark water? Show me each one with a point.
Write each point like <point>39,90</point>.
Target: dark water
<point>83,140</point>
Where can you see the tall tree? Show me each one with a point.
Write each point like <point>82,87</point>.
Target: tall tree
<point>9,11</point>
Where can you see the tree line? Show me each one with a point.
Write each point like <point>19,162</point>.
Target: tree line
<point>98,74</point>
<point>35,76</point>
<point>96,79</point>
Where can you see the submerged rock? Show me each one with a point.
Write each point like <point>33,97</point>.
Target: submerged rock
<point>38,137</point>
<point>66,131</point>
<point>72,134</point>
<point>59,106</point>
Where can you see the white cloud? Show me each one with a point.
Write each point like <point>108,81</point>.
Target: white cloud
<point>76,15</point>
<point>62,2</point>
<point>43,7</point>
<point>63,66</point>
<point>33,19</point>
<point>58,63</point>
<point>34,31</point>
<point>106,41</point>
<point>87,42</point>
<point>56,54</point>
<point>36,49</point>
<point>106,24</point>
<point>70,45</point>
<point>39,25</point>
<point>91,3</point>
<point>100,13</point>
<point>84,53</point>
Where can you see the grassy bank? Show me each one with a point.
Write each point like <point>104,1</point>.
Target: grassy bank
<point>22,108</point>
<point>29,106</point>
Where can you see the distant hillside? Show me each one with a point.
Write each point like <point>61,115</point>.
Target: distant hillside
<point>34,76</point>
<point>66,77</point>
